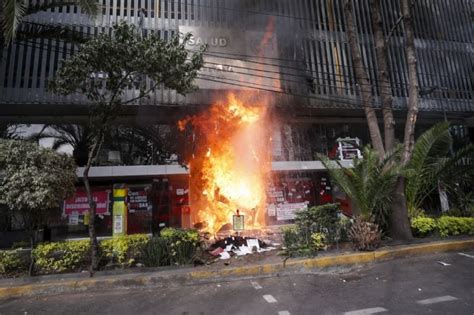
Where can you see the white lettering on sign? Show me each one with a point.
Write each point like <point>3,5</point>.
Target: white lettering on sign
<point>211,41</point>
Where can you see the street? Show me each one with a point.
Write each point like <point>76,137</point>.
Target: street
<point>434,284</point>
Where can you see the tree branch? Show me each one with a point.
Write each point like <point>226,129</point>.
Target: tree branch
<point>141,95</point>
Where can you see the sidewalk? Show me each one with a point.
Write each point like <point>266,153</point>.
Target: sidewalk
<point>166,276</point>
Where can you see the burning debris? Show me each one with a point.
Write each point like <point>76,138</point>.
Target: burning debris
<point>230,163</point>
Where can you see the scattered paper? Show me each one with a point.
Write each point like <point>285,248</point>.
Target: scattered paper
<point>267,249</point>
<point>243,250</point>
<point>228,248</point>
<point>225,255</point>
<point>253,242</point>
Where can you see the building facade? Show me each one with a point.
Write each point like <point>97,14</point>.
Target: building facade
<point>295,53</point>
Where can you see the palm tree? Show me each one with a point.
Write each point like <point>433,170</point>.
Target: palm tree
<point>369,183</point>
<point>78,137</point>
<point>15,25</point>
<point>432,163</point>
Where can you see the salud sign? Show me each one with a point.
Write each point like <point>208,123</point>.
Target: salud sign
<point>78,204</point>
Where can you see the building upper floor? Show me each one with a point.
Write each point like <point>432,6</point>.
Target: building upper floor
<point>294,51</point>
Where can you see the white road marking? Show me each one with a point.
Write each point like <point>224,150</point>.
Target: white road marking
<point>269,298</point>
<point>443,263</point>
<point>367,311</point>
<point>439,299</point>
<point>256,286</point>
<point>283,313</point>
<point>466,255</point>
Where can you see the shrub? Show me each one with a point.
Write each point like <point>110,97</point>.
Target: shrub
<point>157,252</point>
<point>455,225</point>
<point>183,244</point>
<point>61,256</point>
<point>324,216</point>
<point>318,241</point>
<point>14,262</point>
<point>415,212</point>
<point>123,250</point>
<point>291,237</point>
<point>423,226</point>
<point>365,235</point>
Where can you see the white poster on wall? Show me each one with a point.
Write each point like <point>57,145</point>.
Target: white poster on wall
<point>73,219</point>
<point>118,224</point>
<point>271,210</point>
<point>286,211</point>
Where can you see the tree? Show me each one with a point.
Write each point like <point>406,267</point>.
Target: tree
<point>106,66</point>
<point>400,225</point>
<point>14,25</point>
<point>368,183</point>
<point>78,137</point>
<point>148,143</point>
<point>363,79</point>
<point>431,164</point>
<point>34,181</point>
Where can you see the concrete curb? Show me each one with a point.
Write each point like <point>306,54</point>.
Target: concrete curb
<point>163,278</point>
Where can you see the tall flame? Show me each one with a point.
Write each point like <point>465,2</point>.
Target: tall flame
<point>230,163</point>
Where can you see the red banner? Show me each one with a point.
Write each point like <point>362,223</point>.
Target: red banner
<point>79,203</point>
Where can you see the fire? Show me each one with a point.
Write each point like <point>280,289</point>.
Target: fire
<point>230,163</point>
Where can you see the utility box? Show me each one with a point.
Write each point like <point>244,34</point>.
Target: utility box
<point>119,210</point>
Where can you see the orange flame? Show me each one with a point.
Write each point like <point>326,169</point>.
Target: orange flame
<point>230,163</point>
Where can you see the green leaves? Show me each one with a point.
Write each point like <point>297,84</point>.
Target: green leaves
<point>109,65</point>
<point>369,183</point>
<point>13,13</point>
<point>431,164</point>
<point>34,179</point>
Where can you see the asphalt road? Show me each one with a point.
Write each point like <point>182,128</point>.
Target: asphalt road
<point>423,285</point>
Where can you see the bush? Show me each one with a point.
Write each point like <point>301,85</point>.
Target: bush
<point>291,237</point>
<point>318,241</point>
<point>365,235</point>
<point>14,262</point>
<point>423,226</point>
<point>324,216</point>
<point>61,256</point>
<point>123,250</point>
<point>183,245</point>
<point>157,252</point>
<point>455,225</point>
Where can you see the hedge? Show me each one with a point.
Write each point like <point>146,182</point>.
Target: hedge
<point>445,226</point>
<point>175,246</point>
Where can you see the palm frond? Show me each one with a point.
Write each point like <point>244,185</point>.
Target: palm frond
<point>58,143</point>
<point>89,7</point>
<point>30,30</point>
<point>13,13</point>
<point>368,183</point>
<point>421,179</point>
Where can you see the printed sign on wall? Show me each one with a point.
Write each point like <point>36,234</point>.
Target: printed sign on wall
<point>79,203</point>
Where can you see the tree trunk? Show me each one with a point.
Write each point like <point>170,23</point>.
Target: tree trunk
<point>94,246</point>
<point>399,222</point>
<point>362,79</point>
<point>382,75</point>
<point>412,105</point>
<point>31,270</point>
<point>400,225</point>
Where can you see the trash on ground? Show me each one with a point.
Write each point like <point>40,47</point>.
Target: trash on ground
<point>225,255</point>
